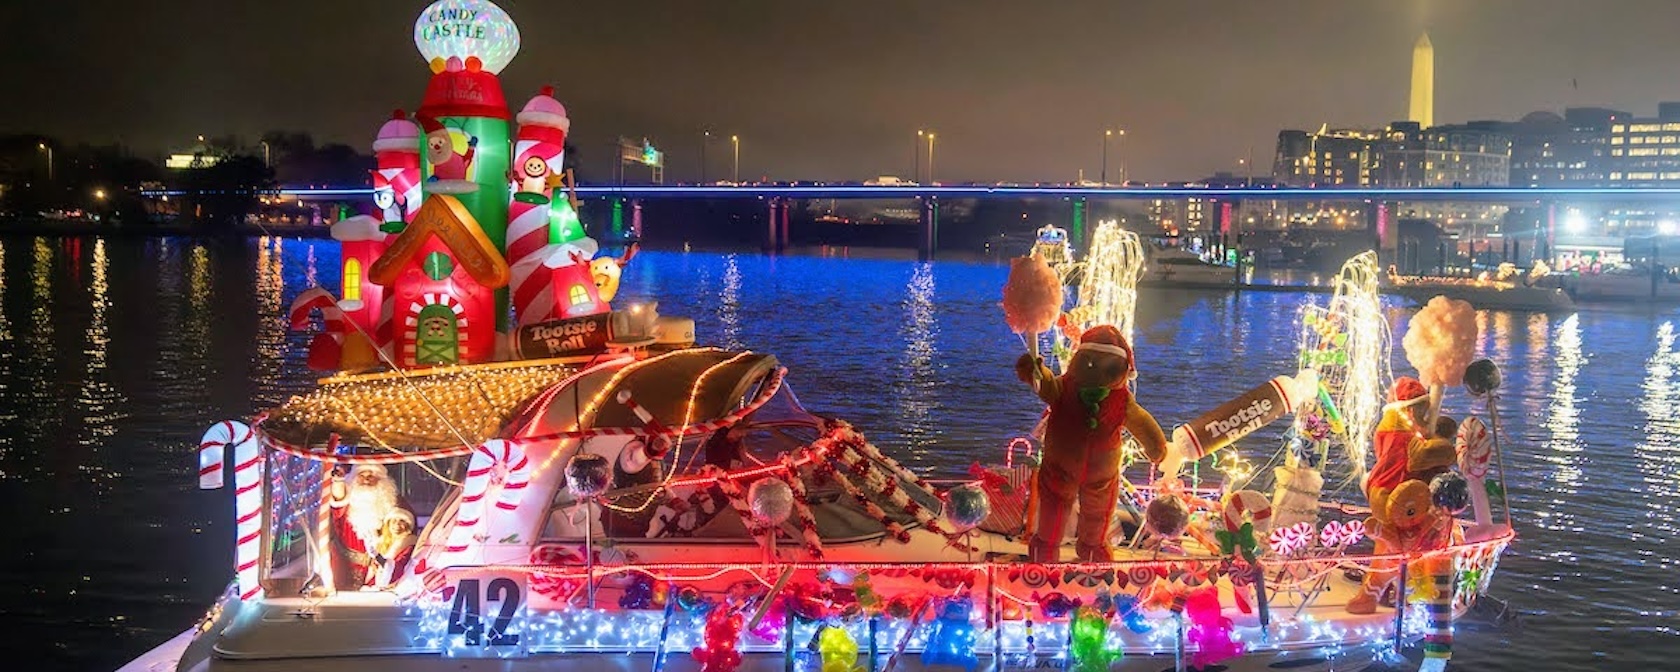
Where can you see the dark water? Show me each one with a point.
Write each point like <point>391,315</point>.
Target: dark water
<point>116,354</point>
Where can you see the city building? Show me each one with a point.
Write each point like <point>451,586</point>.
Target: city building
<point>1325,158</point>
<point>1568,151</point>
<point>1475,154</point>
<point>1645,152</point>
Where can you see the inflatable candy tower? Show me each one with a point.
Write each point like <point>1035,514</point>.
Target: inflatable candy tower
<point>474,235</point>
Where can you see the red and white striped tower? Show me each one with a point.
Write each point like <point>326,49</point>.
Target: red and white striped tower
<point>396,151</point>
<point>539,150</point>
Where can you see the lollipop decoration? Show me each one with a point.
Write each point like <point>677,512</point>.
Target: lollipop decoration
<point>1475,451</point>
<point>1451,492</point>
<point>587,477</point>
<point>771,503</point>
<point>966,506</point>
<point>1090,650</point>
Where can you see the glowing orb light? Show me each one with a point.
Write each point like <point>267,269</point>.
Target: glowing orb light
<point>464,28</point>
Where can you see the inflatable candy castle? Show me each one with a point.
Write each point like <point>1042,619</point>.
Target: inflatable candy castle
<point>474,223</point>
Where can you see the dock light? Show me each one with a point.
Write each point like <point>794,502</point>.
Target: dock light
<point>1575,222</point>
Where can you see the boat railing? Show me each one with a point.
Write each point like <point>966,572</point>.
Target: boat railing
<point>894,607</point>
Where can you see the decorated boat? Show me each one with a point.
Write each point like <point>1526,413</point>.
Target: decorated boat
<point>580,486</point>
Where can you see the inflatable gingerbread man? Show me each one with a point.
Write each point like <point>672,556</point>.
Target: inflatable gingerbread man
<point>1091,407</point>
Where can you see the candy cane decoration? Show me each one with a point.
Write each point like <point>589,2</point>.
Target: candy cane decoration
<point>493,455</point>
<point>247,495</point>
<point>1251,503</point>
<point>1475,449</point>
<point>527,236</point>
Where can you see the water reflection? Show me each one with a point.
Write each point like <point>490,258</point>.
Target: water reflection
<point>1659,450</point>
<point>913,395</point>
<point>729,303</point>
<point>101,405</point>
<point>1562,420</point>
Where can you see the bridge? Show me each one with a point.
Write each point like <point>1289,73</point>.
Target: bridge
<point>1377,202</point>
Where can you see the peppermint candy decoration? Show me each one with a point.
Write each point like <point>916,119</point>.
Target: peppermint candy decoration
<point>1475,448</point>
<point>1142,575</point>
<point>1335,534</point>
<point>1292,540</point>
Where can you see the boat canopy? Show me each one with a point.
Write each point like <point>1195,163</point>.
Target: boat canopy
<point>414,410</point>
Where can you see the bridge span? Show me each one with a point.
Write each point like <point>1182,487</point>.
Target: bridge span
<point>1379,203</point>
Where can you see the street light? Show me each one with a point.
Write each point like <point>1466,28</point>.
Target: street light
<point>267,163</point>
<point>1122,150</point>
<point>48,149</point>
<point>916,149</point>
<point>929,157</point>
<point>1106,135</point>
<point>705,139</point>
<point>99,194</point>
<point>736,140</point>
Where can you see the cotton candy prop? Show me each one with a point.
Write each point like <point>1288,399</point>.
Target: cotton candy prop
<point>1032,297</point>
<point>1441,341</point>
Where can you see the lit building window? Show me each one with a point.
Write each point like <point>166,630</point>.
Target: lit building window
<point>352,279</point>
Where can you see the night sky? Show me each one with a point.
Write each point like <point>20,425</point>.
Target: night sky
<point>825,90</point>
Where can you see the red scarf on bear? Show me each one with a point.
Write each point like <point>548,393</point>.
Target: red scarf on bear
<point>1071,415</point>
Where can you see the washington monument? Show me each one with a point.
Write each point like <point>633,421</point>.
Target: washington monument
<point>1423,83</point>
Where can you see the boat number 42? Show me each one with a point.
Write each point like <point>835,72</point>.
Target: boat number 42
<point>487,612</point>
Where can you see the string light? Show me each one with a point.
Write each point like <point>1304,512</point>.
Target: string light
<point>1108,289</point>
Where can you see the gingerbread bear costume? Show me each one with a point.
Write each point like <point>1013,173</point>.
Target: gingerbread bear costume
<point>1090,408</point>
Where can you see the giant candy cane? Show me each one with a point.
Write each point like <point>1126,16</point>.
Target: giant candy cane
<point>527,235</point>
<point>247,496</point>
<point>486,460</point>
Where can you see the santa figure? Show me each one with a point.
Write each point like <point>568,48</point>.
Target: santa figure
<point>395,547</point>
<point>449,167</point>
<point>359,512</point>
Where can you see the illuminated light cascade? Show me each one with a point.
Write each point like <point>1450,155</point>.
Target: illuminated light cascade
<point>1108,289</point>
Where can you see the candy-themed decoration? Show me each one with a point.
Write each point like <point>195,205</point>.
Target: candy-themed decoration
<point>1167,516</point>
<point>966,506</point>
<point>396,177</point>
<point>839,651</point>
<point>1032,297</point>
<point>441,274</point>
<point>1246,513</point>
<point>327,350</point>
<point>497,462</point>
<point>1450,492</point>
<point>1292,540</point>
<point>1237,418</point>
<point>771,500</point>
<point>1090,649</point>
<point>1209,631</point>
<point>1440,341</point>
<point>588,475</point>
<point>1475,452</point>
<point>1481,377</point>
<point>722,634</point>
<point>953,639</point>
<point>235,439</point>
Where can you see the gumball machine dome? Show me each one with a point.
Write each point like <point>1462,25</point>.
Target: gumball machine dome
<point>462,29</point>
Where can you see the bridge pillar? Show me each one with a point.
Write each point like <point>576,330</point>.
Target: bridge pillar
<point>773,224</point>
<point>618,218</point>
<point>785,241</point>
<point>1076,232</point>
<point>636,219</point>
<point>1544,251</point>
<point>930,228</point>
<point>1385,231</point>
